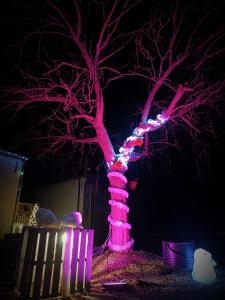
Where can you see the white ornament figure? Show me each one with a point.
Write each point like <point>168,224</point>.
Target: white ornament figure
<point>73,219</point>
<point>45,217</point>
<point>32,219</point>
<point>203,269</point>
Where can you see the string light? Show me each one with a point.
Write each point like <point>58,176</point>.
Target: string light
<point>119,205</point>
<point>118,181</point>
<point>118,191</point>
<point>117,174</point>
<point>120,248</point>
<point>119,223</point>
<point>32,219</point>
<point>118,194</point>
<point>136,139</point>
<point>162,118</point>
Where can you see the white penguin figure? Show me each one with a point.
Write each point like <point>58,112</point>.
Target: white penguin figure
<point>203,269</point>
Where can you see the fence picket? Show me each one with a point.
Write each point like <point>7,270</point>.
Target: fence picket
<point>89,259</point>
<point>57,265</point>
<point>75,261</point>
<point>41,261</point>
<point>49,264</point>
<point>28,267</point>
<point>40,266</point>
<point>82,261</point>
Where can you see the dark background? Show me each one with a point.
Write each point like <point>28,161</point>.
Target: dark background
<point>176,191</point>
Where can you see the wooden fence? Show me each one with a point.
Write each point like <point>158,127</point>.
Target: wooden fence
<point>54,262</point>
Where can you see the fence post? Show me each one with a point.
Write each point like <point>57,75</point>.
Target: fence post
<point>66,274</point>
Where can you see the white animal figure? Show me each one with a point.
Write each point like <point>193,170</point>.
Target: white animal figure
<point>73,219</point>
<point>45,217</point>
<point>203,269</point>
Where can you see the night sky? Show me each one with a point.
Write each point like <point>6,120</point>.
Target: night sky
<point>176,189</point>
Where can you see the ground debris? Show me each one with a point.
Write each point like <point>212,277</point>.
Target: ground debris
<point>146,277</point>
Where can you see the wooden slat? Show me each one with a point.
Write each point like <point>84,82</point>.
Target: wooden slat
<point>82,260</point>
<point>40,263</point>
<point>26,280</point>
<point>49,263</point>
<point>89,259</point>
<point>26,267</point>
<point>66,272</point>
<point>22,259</point>
<point>57,265</point>
<point>74,262</point>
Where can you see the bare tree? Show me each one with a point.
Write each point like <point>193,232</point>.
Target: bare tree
<point>171,56</point>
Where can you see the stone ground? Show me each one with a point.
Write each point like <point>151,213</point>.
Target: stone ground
<point>144,276</point>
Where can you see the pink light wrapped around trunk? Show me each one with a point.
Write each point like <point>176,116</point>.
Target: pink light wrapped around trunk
<point>120,205</point>
<point>118,223</point>
<point>120,230</point>
<point>117,179</point>
<point>120,192</point>
<point>122,248</point>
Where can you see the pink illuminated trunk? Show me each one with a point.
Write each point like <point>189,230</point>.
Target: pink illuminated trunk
<point>120,229</point>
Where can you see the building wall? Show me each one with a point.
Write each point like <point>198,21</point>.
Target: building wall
<point>96,209</point>
<point>10,176</point>
<point>76,194</point>
<point>62,197</point>
<point>89,197</point>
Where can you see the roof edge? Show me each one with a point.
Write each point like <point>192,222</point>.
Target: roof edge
<point>13,155</point>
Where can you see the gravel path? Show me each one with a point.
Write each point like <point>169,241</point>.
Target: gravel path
<point>145,277</point>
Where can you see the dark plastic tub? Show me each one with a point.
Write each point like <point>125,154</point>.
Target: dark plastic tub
<point>178,255</point>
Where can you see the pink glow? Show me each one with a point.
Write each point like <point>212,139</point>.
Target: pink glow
<point>136,139</point>
<point>119,205</point>
<point>77,218</point>
<point>133,184</point>
<point>117,181</point>
<point>117,174</point>
<point>119,248</point>
<point>118,213</point>
<point>118,191</point>
<point>120,230</point>
<point>118,223</point>
<point>162,118</point>
<point>139,131</point>
<point>120,236</point>
<point>68,237</point>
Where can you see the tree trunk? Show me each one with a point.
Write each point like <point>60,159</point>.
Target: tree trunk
<point>120,240</point>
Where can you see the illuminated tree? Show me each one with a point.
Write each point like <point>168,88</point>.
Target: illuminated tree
<point>169,54</point>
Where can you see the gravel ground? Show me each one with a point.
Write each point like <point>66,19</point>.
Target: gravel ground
<point>145,277</point>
